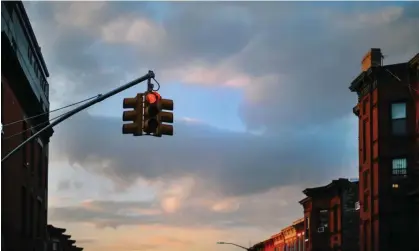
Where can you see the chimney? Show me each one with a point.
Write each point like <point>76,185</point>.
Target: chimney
<point>372,58</point>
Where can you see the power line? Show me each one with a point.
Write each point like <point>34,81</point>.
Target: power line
<point>76,110</point>
<point>55,110</point>
<point>409,85</point>
<point>35,126</point>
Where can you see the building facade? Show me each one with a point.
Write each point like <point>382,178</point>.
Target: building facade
<point>58,241</point>
<point>331,221</point>
<point>387,110</point>
<point>316,219</point>
<point>290,238</point>
<point>24,90</point>
<point>269,244</point>
<point>343,216</point>
<point>279,241</point>
<point>414,65</point>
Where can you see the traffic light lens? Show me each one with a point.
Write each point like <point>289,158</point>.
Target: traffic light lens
<point>153,110</point>
<point>152,97</point>
<point>152,124</point>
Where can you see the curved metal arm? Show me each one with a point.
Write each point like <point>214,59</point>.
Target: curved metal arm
<point>65,116</point>
<point>229,243</point>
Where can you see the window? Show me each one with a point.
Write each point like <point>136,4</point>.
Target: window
<point>399,167</point>
<point>23,211</point>
<point>398,118</point>
<point>365,206</point>
<point>307,232</point>
<point>324,218</point>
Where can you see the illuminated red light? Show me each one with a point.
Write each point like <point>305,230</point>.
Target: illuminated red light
<point>153,97</point>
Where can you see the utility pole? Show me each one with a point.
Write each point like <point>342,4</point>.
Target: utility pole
<point>150,75</point>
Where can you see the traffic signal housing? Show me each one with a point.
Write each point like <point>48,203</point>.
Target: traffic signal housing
<point>135,115</point>
<point>155,118</point>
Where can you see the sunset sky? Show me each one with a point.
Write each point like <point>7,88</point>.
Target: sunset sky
<point>262,111</point>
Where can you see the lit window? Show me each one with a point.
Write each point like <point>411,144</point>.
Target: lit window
<point>398,118</point>
<point>399,167</point>
<point>398,111</point>
<point>395,185</point>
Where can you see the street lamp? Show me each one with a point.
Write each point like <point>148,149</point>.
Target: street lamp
<point>229,243</point>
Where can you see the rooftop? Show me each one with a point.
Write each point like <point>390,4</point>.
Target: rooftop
<point>315,191</point>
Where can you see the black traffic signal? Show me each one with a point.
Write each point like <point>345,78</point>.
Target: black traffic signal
<point>135,115</point>
<point>154,116</point>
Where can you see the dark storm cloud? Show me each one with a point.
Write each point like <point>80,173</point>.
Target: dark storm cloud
<point>233,163</point>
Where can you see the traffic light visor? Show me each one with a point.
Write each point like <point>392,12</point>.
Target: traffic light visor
<point>152,97</point>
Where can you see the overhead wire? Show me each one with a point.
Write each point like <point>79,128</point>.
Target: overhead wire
<point>35,126</point>
<point>55,110</point>
<point>409,85</point>
<point>45,122</point>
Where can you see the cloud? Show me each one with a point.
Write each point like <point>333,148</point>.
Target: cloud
<point>295,59</point>
<point>196,211</point>
<point>83,242</point>
<point>64,185</point>
<point>232,164</point>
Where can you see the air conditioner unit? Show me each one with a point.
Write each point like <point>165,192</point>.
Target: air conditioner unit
<point>320,230</point>
<point>357,205</point>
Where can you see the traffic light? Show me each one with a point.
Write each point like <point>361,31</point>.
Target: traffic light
<point>135,115</point>
<point>154,116</point>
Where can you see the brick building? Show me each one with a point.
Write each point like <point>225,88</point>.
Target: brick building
<point>269,245</point>
<point>24,90</point>
<point>290,238</point>
<point>58,241</point>
<point>388,153</point>
<point>279,241</point>
<point>330,218</point>
<point>414,65</point>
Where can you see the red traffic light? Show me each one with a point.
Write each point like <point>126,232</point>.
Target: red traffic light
<point>152,97</point>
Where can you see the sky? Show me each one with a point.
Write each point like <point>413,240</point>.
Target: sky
<point>262,111</point>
